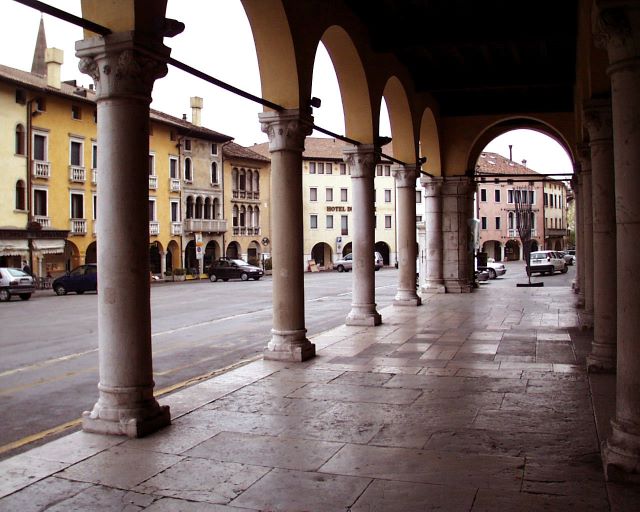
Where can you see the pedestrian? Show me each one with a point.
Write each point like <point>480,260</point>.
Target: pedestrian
<point>26,268</point>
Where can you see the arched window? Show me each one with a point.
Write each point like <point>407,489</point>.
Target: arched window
<point>256,220</point>
<point>250,217</point>
<point>243,215</point>
<point>207,208</point>
<point>188,171</point>
<point>20,146</point>
<point>249,182</point>
<point>511,220</point>
<point>190,207</point>
<point>234,179</point>
<point>20,195</point>
<point>235,216</point>
<point>256,181</point>
<point>214,172</point>
<point>216,209</point>
<point>198,212</point>
<point>243,180</point>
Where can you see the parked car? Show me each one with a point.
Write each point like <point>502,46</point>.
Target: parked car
<point>14,281</point>
<point>568,258</point>
<point>345,263</point>
<point>81,279</point>
<point>547,262</point>
<point>494,268</point>
<point>229,268</point>
<point>482,275</point>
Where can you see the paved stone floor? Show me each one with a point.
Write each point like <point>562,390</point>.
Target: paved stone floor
<point>473,402</point>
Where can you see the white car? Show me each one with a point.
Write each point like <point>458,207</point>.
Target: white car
<point>14,281</point>
<point>547,262</point>
<point>495,268</point>
<point>346,263</point>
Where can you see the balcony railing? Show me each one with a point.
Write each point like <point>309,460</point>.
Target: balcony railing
<point>94,176</point>
<point>205,225</point>
<point>174,184</point>
<point>45,222</point>
<point>513,233</point>
<point>176,228</point>
<point>245,231</point>
<point>153,182</point>
<point>78,226</point>
<point>77,174</point>
<point>154,228</point>
<point>41,169</point>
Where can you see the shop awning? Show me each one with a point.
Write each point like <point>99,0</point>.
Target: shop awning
<point>49,246</point>
<point>14,248</point>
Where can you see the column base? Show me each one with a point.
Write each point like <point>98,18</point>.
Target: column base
<point>363,314</point>
<point>621,454</point>
<point>126,412</point>
<point>458,286</point>
<point>407,298</point>
<point>602,358</point>
<point>585,319</point>
<point>290,346</point>
<point>433,287</point>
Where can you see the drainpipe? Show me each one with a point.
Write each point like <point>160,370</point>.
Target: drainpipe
<point>29,192</point>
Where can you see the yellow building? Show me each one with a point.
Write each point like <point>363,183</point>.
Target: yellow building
<point>247,177</point>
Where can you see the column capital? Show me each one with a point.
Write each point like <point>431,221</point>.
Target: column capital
<point>432,185</point>
<point>618,32</point>
<point>405,176</point>
<point>286,129</point>
<point>457,186</point>
<point>122,65</point>
<point>598,120</point>
<point>362,160</point>
<point>583,151</point>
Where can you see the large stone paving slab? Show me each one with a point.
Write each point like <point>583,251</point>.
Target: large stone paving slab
<point>434,467</point>
<point>24,469</point>
<point>349,393</point>
<point>42,494</point>
<point>492,501</point>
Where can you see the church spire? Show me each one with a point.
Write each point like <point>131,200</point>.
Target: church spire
<point>38,65</point>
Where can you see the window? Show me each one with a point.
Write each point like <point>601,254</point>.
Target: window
<point>214,148</point>
<point>418,218</point>
<point>313,194</point>
<point>510,196</point>
<point>344,224</point>
<point>496,195</point>
<point>40,202</point>
<point>214,172</point>
<point>173,167</point>
<point>188,172</point>
<point>20,140</point>
<point>95,116</point>
<point>387,196</point>
<point>328,221</point>
<point>41,105</point>
<point>328,167</point>
<point>344,194</point>
<point>75,153</point>
<point>312,167</point>
<point>418,196</point>
<point>76,112</point>
<point>320,167</point>
<point>313,221</point>
<point>172,135</point>
<point>483,222</point>
<point>511,220</point>
<point>329,194</point>
<point>387,221</point>
<point>95,206</point>
<point>187,144</point>
<point>343,169</point>
<point>483,195</point>
<point>152,165</point>
<point>387,170</point>
<point>94,155</point>
<point>546,199</point>
<point>497,222</point>
<point>175,211</point>
<point>152,210</point>
<point>378,170</point>
<point>20,195</point>
<point>77,205</point>
<point>532,197</point>
<point>40,147</point>
<point>21,96</point>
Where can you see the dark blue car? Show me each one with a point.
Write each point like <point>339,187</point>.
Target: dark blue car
<point>81,279</point>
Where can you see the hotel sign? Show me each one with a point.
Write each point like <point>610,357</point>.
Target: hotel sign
<point>338,208</point>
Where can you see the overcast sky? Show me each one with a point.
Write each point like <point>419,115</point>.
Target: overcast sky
<point>217,40</point>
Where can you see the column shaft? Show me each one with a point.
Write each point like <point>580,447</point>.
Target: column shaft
<point>587,235</point>
<point>458,255</point>
<point>362,160</point>
<point>287,131</point>
<point>434,281</point>
<point>406,185</point>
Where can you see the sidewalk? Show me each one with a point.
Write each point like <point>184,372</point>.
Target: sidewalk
<point>472,402</point>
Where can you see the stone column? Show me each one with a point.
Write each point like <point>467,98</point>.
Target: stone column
<point>163,264</point>
<point>603,349</point>
<point>124,73</point>
<point>406,235</point>
<point>362,160</point>
<point>434,281</point>
<point>620,24</point>
<point>458,251</point>
<point>586,195</point>
<point>287,130</point>
<point>577,282</point>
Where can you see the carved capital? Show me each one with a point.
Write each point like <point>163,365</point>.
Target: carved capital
<point>432,186</point>
<point>584,156</point>
<point>405,176</point>
<point>598,120</point>
<point>361,160</point>
<point>618,31</point>
<point>122,66</point>
<point>286,129</point>
<point>458,186</point>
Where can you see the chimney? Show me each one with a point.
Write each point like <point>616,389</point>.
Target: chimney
<point>53,58</point>
<point>510,152</point>
<point>196,110</point>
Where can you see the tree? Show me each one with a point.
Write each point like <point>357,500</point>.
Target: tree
<point>524,222</point>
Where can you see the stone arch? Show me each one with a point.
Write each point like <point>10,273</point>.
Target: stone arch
<point>155,257</point>
<point>173,255</point>
<point>211,252</point>
<point>384,249</point>
<point>253,253</point>
<point>402,131</point>
<point>430,144</point>
<point>322,254</point>
<point>347,249</point>
<point>71,255</point>
<point>233,250</point>
<point>493,248</point>
<point>512,250</point>
<point>91,254</point>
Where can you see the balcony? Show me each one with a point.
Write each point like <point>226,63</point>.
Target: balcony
<point>205,225</point>
<point>41,169</point>
<point>174,184</point>
<point>245,231</point>
<point>94,176</point>
<point>513,233</point>
<point>45,222</point>
<point>154,228</point>
<point>176,228</point>
<point>153,182</point>
<point>77,174</point>
<point>78,227</point>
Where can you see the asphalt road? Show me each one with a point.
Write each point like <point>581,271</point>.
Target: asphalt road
<point>49,354</point>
